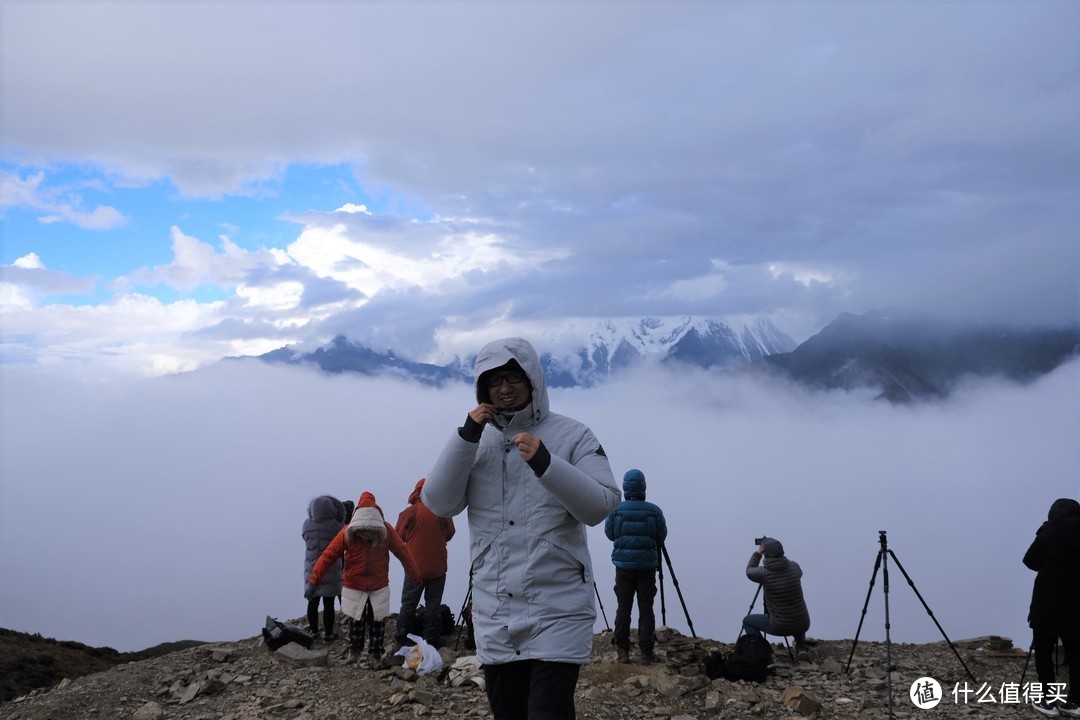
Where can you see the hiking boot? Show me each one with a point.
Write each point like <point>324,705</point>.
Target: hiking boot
<point>1046,708</point>
<point>647,657</point>
<point>624,655</point>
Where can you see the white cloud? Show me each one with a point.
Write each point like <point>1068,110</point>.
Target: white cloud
<point>54,204</point>
<point>243,448</point>
<point>196,263</point>
<point>29,261</point>
<point>353,208</point>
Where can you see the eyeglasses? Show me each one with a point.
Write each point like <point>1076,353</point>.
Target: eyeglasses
<point>513,377</point>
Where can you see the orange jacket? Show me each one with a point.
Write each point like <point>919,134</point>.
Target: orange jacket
<point>426,534</point>
<point>367,567</point>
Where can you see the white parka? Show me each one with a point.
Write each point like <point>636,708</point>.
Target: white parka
<point>532,584</point>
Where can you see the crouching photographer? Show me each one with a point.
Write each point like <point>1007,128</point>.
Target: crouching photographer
<point>785,608</point>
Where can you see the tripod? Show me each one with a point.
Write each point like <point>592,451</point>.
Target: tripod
<point>662,554</point>
<point>601,603</point>
<point>882,562</point>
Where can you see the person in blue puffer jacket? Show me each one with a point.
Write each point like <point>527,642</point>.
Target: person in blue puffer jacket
<point>638,529</point>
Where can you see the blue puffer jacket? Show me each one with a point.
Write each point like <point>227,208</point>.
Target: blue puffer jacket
<point>637,527</point>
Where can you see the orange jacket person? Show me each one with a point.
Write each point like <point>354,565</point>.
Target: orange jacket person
<point>365,544</point>
<point>426,534</point>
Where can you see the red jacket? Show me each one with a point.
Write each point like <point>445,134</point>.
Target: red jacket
<point>367,567</point>
<point>426,534</point>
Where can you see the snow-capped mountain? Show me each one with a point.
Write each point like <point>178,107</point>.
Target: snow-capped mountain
<point>592,351</point>
<point>581,352</point>
<point>907,357</point>
<point>902,357</point>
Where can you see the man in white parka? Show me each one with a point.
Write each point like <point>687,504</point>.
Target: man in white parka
<point>531,480</point>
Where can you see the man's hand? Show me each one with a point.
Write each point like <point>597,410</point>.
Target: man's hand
<point>310,590</point>
<point>527,445</point>
<point>483,413</point>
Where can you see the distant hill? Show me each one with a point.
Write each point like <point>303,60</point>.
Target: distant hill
<point>30,661</point>
<point>902,357</point>
<point>910,357</point>
<point>581,353</point>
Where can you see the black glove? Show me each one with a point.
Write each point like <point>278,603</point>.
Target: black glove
<point>310,590</point>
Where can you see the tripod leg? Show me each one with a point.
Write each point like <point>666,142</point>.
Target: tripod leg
<point>675,582</point>
<point>601,603</point>
<point>931,614</point>
<point>660,573</point>
<point>750,610</point>
<point>866,603</point>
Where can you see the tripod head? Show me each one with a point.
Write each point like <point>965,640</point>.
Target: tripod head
<point>884,542</point>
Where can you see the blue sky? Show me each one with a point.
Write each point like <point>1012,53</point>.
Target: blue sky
<point>189,168</point>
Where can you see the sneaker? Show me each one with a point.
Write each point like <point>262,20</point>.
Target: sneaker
<point>1069,709</point>
<point>1046,708</point>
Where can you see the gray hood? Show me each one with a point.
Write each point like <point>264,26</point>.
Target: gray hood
<point>499,352</point>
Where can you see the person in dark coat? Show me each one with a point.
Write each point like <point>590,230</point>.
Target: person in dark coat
<point>638,529</point>
<point>1055,602</point>
<point>785,608</point>
<point>326,517</point>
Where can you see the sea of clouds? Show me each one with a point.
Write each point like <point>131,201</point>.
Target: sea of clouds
<point>145,511</point>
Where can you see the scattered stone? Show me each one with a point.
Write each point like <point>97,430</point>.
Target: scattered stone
<point>242,681</point>
<point>302,657</point>
<point>149,711</point>
<point>797,699</point>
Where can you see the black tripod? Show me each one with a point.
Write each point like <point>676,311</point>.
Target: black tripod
<point>883,563</point>
<point>662,554</point>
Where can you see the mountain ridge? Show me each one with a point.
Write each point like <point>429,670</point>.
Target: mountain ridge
<point>902,357</point>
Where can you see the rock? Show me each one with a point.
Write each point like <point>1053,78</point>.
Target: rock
<point>302,657</point>
<point>797,699</point>
<point>149,711</point>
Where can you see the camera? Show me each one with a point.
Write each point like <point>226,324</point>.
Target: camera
<point>761,540</point>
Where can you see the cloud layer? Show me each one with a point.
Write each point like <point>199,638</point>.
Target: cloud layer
<point>527,162</point>
<point>171,508</point>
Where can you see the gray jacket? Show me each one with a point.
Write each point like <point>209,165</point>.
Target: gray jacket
<point>784,603</point>
<point>326,517</point>
<point>532,582</point>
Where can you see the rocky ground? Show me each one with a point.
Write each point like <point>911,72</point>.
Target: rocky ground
<point>244,680</point>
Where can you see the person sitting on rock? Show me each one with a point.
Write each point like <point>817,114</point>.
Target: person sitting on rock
<point>785,608</point>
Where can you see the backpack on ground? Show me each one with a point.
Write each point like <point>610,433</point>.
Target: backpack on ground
<point>277,634</point>
<point>713,665</point>
<point>750,661</point>
<point>446,622</point>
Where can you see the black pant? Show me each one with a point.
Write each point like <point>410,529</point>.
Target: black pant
<point>328,615</point>
<point>642,584</point>
<point>432,590</point>
<point>1043,645</point>
<point>532,690</point>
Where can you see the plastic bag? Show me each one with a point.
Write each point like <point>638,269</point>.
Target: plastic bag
<point>421,657</point>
